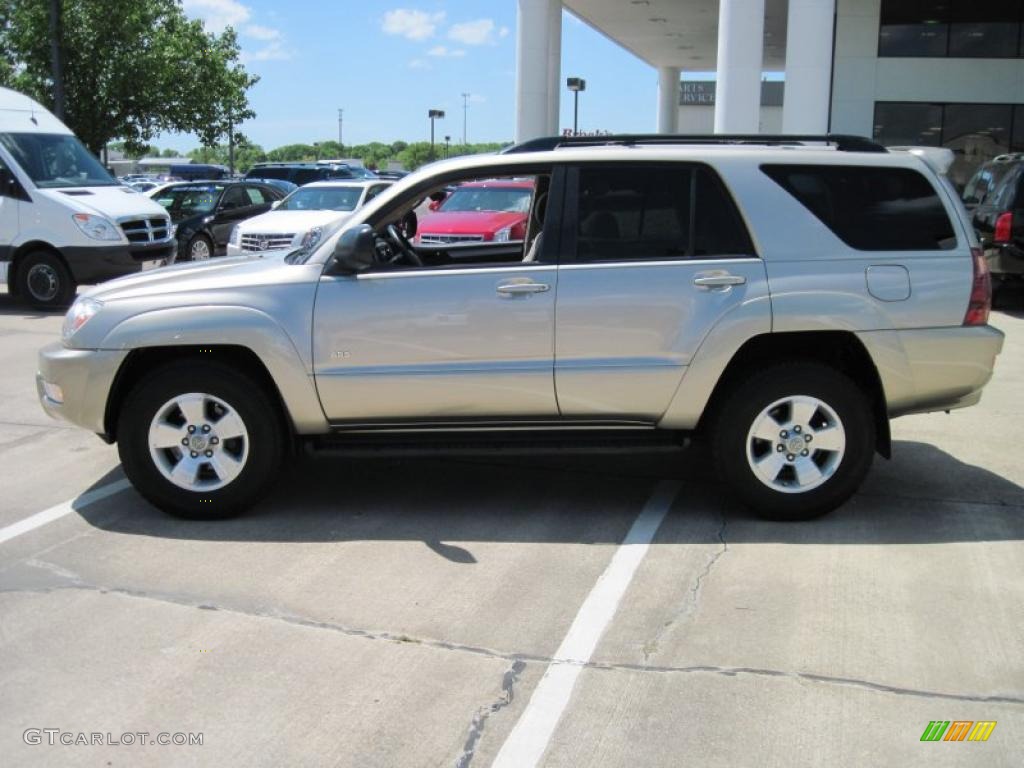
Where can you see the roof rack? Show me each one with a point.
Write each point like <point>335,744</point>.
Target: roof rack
<point>842,142</point>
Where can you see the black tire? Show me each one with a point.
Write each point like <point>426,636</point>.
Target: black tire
<point>198,241</point>
<point>257,410</point>
<point>739,409</point>
<point>44,281</point>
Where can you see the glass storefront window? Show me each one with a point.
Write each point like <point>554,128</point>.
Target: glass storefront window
<point>989,29</point>
<point>975,132</point>
<point>914,28</point>
<point>955,28</point>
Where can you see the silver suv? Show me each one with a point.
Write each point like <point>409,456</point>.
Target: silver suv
<point>781,299</point>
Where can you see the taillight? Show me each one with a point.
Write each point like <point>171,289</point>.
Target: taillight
<point>981,290</point>
<point>1004,228</point>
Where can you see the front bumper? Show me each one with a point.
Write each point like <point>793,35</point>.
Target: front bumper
<point>82,379</point>
<point>94,264</point>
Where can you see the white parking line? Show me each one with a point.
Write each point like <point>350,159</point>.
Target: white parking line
<point>525,745</point>
<point>56,512</point>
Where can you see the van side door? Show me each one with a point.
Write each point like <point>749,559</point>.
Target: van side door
<point>652,256</point>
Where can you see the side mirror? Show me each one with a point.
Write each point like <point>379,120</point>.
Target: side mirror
<point>355,252</point>
<point>8,186</point>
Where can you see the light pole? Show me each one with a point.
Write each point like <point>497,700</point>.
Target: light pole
<point>465,112</point>
<point>434,114</point>
<point>447,139</point>
<point>341,115</point>
<point>576,84</point>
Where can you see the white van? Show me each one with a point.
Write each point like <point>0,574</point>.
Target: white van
<point>63,219</point>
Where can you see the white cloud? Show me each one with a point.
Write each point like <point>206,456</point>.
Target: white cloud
<point>414,25</point>
<point>273,51</point>
<point>419,64</point>
<point>443,52</point>
<point>258,32</point>
<point>479,32</point>
<point>217,14</point>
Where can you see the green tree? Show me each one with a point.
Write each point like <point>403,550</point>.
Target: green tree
<point>132,69</point>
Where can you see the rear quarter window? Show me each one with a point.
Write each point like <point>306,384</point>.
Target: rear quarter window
<point>870,208</point>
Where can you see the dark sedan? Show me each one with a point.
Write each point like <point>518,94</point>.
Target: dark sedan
<point>205,212</point>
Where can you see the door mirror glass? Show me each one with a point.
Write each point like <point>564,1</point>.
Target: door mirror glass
<point>355,252</point>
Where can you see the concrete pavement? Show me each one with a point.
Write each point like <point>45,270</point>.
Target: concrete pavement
<point>383,612</point>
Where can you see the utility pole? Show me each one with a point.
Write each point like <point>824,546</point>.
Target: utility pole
<point>465,111</point>
<point>434,114</point>
<point>57,58</point>
<point>231,146</point>
<point>341,116</point>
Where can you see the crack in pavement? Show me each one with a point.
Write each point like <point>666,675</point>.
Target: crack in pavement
<point>476,727</point>
<point>690,605</point>
<point>525,657</point>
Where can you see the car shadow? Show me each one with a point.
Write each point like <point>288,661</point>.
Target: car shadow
<point>922,496</point>
<point>14,307</point>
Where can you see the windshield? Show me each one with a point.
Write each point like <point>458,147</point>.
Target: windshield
<point>54,160</point>
<point>190,199</point>
<point>515,199</point>
<point>322,199</point>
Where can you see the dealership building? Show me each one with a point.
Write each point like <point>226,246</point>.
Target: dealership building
<point>925,72</point>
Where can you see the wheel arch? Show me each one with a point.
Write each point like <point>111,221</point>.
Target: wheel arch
<point>244,336</point>
<point>24,250</point>
<point>841,350</point>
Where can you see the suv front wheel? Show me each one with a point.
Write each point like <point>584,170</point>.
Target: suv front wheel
<point>794,441</point>
<point>199,440</point>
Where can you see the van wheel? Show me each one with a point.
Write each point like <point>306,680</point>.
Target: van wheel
<point>794,441</point>
<point>199,440</point>
<point>44,282</point>
<point>199,248</point>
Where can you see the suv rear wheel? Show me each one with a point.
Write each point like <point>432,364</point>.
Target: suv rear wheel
<point>794,441</point>
<point>199,440</point>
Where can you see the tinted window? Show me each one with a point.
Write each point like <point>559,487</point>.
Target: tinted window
<point>235,197</point>
<point>913,28</point>
<point>257,196</point>
<point>984,29</point>
<point>655,213</point>
<point>306,175</point>
<point>871,209</point>
<point>270,173</point>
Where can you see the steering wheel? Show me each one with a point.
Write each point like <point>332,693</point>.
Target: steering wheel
<point>402,243</point>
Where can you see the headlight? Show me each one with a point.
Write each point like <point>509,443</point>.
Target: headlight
<point>81,312</point>
<point>96,227</point>
<point>236,236</point>
<point>311,238</point>
<point>502,235</point>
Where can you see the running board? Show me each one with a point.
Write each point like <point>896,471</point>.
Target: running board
<point>511,443</point>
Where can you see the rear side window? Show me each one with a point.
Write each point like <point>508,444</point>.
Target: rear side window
<point>870,208</point>
<point>631,213</point>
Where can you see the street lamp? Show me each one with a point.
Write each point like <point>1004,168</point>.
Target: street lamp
<point>447,139</point>
<point>576,84</point>
<point>434,114</point>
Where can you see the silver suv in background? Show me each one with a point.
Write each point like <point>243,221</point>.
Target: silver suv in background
<point>781,298</point>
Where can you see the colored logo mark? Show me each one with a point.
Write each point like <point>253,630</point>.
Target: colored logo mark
<point>958,730</point>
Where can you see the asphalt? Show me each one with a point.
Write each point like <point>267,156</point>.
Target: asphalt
<point>403,612</point>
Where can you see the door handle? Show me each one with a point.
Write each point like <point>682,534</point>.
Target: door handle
<point>522,289</point>
<point>719,281</point>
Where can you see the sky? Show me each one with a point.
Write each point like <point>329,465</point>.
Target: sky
<point>387,63</point>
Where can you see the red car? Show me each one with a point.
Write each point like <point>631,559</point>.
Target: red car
<point>480,211</point>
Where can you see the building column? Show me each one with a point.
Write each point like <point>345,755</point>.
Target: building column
<point>532,80</point>
<point>808,66</point>
<point>554,66</point>
<point>740,54</point>
<point>668,99</point>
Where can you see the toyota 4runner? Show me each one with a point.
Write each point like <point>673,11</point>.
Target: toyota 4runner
<point>781,297</point>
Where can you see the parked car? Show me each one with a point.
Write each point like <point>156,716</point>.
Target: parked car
<point>995,199</point>
<point>205,212</point>
<point>481,211</point>
<point>144,185</point>
<point>782,303</point>
<point>304,173</point>
<point>64,220</point>
<point>301,218</point>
